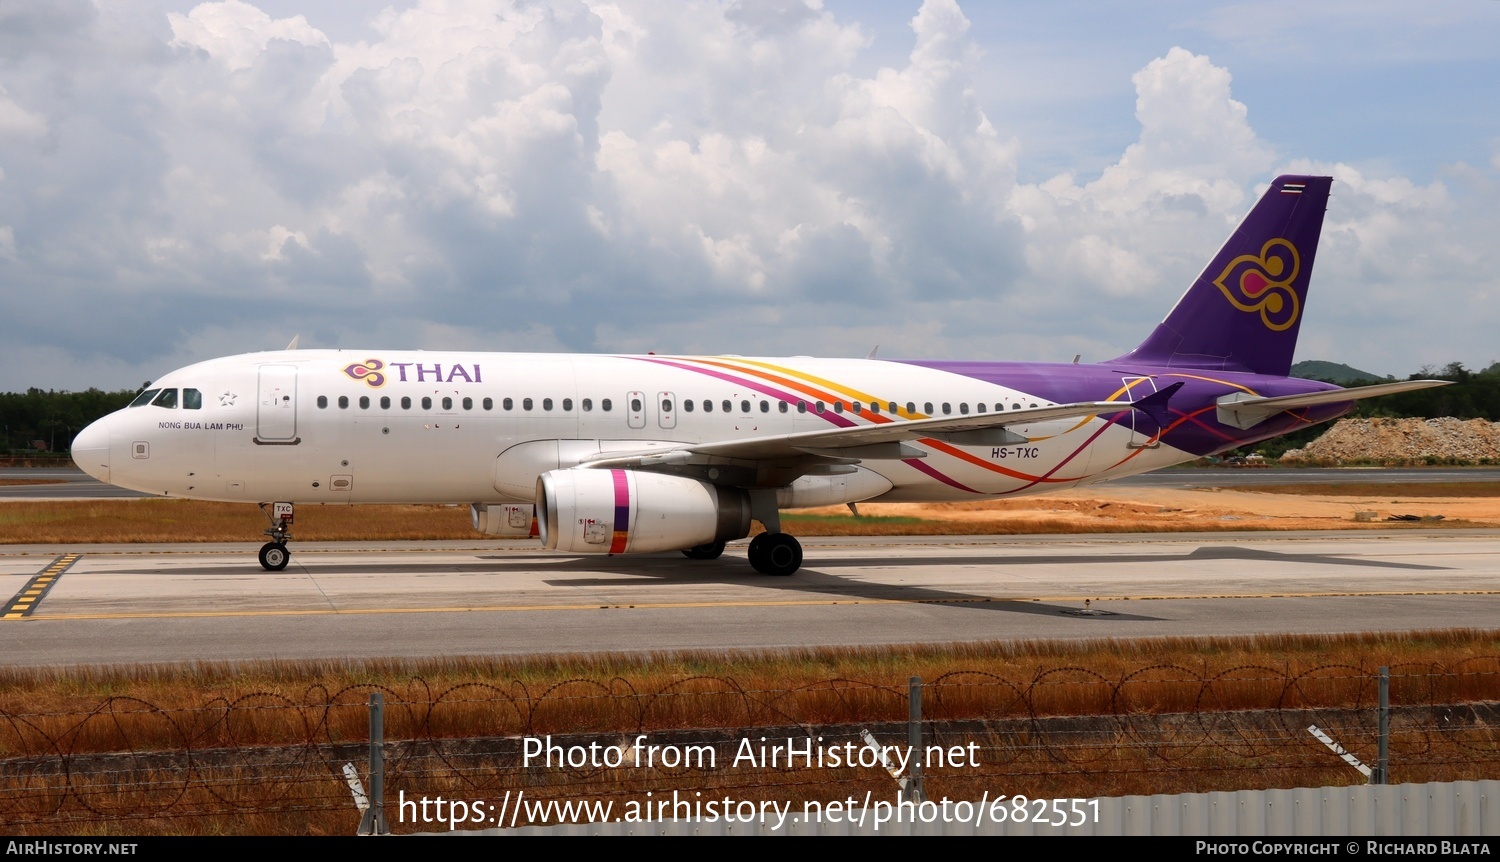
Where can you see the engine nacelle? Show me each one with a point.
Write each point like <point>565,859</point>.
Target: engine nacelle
<point>510,520</point>
<point>595,511</point>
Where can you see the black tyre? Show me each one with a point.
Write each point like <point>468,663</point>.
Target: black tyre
<point>779,554</point>
<point>274,556</point>
<point>757,551</point>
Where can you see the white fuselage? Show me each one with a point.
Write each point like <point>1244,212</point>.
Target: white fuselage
<point>328,426</point>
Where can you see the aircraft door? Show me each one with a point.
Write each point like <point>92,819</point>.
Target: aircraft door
<point>276,413</point>
<point>1137,388</point>
<point>667,417</point>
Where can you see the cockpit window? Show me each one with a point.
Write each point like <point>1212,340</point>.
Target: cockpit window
<point>144,397</point>
<point>192,399</point>
<point>167,398</point>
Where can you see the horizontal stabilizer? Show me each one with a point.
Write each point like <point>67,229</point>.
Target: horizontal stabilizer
<point>1155,404</point>
<point>1242,410</point>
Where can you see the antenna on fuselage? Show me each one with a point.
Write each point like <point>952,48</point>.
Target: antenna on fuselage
<point>873,351</point>
<point>293,344</point>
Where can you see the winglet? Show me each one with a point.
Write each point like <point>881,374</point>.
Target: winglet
<point>1155,404</point>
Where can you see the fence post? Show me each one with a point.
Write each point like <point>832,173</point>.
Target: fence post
<point>373,821</point>
<point>1383,756</point>
<point>914,793</point>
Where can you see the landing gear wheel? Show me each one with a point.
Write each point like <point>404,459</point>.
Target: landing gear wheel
<point>274,556</point>
<point>757,551</point>
<point>777,554</point>
<point>710,551</point>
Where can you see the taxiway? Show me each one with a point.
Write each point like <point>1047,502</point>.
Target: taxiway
<point>174,603</point>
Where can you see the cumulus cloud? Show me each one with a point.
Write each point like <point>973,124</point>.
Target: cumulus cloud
<point>236,33</point>
<point>610,176</point>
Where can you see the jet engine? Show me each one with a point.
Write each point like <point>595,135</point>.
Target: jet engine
<point>597,511</point>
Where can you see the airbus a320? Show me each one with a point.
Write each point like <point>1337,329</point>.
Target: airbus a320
<point>616,454</point>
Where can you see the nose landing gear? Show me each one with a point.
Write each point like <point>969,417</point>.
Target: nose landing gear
<point>274,555</point>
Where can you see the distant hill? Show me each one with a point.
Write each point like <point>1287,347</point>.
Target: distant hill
<point>1335,372</point>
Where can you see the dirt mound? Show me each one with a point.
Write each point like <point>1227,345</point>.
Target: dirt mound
<point>1403,441</point>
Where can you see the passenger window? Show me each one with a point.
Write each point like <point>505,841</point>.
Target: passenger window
<point>588,404</point>
<point>893,408</point>
<point>508,404</point>
<point>708,406</point>
<point>687,405</point>
<point>468,403</point>
<point>744,406</point>
<point>728,407</point>
<point>801,406</point>
<point>426,403</point>
<point>406,402</point>
<point>819,407</point>
<point>364,402</point>
<point>666,405</point>
<point>838,407</point>
<point>144,398</point>
<point>192,399</point>
<point>875,407</point>
<point>447,403</point>
<point>781,405</point>
<point>385,402</point>
<point>857,408</point>
<point>606,405</point>
<point>568,404</point>
<point>546,403</point>
<point>322,401</point>
<point>525,403</point>
<point>488,404</point>
<point>999,408</point>
<point>979,408</point>
<point>343,402</point>
<point>167,399</point>
<point>765,407</point>
<point>911,408</point>
<point>635,405</point>
<point>963,407</point>
<point>927,407</point>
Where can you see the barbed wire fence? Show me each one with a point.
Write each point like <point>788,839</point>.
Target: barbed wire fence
<point>266,762</point>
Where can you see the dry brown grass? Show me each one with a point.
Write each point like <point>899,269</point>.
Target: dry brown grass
<point>159,520</point>
<point>571,693</point>
<point>1384,489</point>
<point>1155,716</point>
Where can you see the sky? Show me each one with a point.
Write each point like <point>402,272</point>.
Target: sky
<point>1008,181</point>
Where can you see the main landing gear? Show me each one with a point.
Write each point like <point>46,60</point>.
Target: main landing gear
<point>777,554</point>
<point>710,551</point>
<point>274,554</point>
<point>770,553</point>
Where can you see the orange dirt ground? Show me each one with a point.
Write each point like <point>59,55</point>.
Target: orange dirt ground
<point>1120,508</point>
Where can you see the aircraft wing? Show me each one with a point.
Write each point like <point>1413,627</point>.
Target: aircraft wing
<point>883,441</point>
<point>1244,411</point>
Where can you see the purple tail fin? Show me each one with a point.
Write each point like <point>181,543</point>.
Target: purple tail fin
<point>1243,312</point>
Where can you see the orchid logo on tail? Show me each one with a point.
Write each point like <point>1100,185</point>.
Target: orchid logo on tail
<point>368,371</point>
<point>1264,283</point>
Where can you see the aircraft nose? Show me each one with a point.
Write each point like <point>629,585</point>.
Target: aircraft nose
<point>91,450</point>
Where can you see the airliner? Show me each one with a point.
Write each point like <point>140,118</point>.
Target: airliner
<point>622,454</point>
